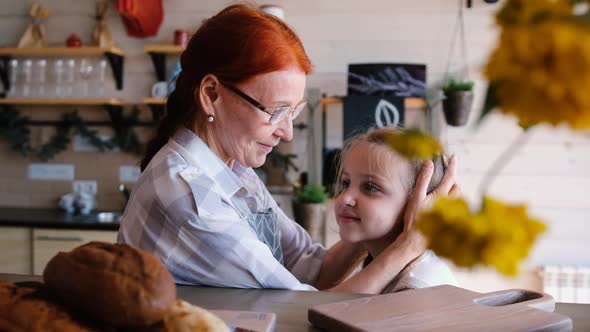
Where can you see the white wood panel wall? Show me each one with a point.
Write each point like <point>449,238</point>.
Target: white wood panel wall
<point>551,173</point>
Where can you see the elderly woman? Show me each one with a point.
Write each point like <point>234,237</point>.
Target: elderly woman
<point>199,206</point>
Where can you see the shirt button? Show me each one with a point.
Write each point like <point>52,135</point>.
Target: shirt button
<point>251,206</point>
<point>243,191</point>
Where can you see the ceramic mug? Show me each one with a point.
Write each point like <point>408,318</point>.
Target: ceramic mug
<point>160,90</point>
<point>180,37</point>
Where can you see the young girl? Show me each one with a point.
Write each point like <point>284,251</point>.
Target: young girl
<point>374,183</point>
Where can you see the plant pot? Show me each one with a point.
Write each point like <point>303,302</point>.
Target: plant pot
<point>312,217</point>
<point>457,106</point>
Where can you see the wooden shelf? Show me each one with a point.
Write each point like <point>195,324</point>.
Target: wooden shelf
<point>154,101</point>
<point>59,51</point>
<point>115,56</point>
<point>409,103</point>
<point>157,106</point>
<point>164,49</point>
<point>61,102</point>
<point>114,106</point>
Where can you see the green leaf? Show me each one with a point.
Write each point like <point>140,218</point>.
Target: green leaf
<point>458,85</point>
<point>14,129</point>
<point>311,193</point>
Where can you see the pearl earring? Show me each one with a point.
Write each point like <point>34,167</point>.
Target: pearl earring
<point>211,118</point>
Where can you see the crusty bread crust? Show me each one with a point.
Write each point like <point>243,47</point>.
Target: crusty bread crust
<point>114,283</point>
<point>185,317</point>
<point>28,307</point>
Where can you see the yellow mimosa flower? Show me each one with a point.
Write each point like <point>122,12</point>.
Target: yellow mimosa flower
<point>414,144</point>
<point>498,235</point>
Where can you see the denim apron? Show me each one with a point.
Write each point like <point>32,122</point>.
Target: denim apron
<point>265,224</point>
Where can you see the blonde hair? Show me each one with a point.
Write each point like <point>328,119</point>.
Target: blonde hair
<point>377,138</point>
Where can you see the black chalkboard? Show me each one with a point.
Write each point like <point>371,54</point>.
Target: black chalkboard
<point>361,113</point>
<point>387,79</point>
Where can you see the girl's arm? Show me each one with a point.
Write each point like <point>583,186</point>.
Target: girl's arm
<point>340,260</point>
<point>379,273</point>
<point>409,245</point>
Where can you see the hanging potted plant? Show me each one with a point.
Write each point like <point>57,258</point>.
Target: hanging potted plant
<point>458,89</point>
<point>457,102</point>
<point>309,209</point>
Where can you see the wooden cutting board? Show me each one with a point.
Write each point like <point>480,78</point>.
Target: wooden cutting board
<point>443,308</point>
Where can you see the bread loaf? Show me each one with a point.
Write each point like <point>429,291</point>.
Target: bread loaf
<point>28,307</point>
<point>185,317</point>
<point>115,283</point>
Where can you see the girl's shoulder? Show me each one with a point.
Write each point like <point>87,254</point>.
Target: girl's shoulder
<point>428,270</point>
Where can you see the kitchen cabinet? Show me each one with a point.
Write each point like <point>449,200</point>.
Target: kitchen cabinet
<point>15,250</point>
<point>48,242</point>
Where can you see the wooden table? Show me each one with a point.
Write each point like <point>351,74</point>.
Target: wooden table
<point>291,306</point>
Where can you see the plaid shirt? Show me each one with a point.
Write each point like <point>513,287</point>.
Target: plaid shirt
<point>182,210</point>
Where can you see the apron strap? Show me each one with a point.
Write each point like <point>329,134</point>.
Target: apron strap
<point>266,225</point>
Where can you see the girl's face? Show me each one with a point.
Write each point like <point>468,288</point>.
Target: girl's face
<point>373,194</point>
<point>241,131</point>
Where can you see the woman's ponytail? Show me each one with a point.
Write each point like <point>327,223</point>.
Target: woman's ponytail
<point>179,112</point>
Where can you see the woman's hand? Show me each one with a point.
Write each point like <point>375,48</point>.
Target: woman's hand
<point>410,238</point>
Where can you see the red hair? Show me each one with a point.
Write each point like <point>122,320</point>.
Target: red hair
<point>235,45</point>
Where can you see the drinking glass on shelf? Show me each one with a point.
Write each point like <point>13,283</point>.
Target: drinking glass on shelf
<point>26,72</point>
<point>70,77</point>
<point>14,88</point>
<point>40,77</point>
<point>58,77</point>
<point>85,69</point>
<point>101,76</point>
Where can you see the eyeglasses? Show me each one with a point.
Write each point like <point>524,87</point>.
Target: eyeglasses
<point>276,115</point>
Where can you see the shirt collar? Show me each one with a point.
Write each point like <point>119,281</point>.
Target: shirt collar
<point>200,156</point>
